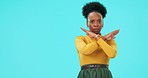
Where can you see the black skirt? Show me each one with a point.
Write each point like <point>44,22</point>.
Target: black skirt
<point>95,73</point>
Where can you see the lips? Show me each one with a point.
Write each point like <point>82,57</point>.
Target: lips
<point>96,29</point>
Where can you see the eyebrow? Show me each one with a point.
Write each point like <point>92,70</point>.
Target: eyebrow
<point>94,19</point>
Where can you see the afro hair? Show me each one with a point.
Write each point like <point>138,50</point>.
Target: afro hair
<point>94,7</point>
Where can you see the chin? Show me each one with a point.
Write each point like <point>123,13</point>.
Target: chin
<point>96,32</point>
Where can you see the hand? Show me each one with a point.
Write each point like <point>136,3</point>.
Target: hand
<point>89,33</point>
<point>111,35</point>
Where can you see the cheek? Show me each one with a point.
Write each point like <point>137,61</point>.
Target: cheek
<point>91,27</point>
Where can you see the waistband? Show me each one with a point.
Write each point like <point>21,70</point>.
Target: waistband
<point>94,66</point>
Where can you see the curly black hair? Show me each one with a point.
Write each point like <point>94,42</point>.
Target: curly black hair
<point>93,7</point>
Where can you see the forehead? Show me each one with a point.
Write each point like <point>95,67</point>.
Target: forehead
<point>94,15</point>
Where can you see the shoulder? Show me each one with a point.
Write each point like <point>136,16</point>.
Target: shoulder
<point>80,38</point>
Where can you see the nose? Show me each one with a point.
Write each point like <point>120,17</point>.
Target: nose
<point>96,24</point>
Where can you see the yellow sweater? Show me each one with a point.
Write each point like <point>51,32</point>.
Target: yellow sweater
<point>91,51</point>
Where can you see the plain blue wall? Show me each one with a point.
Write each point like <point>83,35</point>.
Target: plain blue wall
<point>37,37</point>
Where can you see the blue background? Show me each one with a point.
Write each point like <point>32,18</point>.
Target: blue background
<point>37,37</point>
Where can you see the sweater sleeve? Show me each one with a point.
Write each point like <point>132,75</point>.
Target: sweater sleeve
<point>109,49</point>
<point>84,48</point>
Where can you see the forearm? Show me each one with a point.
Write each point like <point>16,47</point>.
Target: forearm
<point>85,48</point>
<point>109,50</point>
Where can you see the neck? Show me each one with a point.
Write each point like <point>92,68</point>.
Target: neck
<point>98,33</point>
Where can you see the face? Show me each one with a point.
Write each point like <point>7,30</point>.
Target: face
<point>95,22</point>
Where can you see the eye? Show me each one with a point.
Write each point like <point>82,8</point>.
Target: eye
<point>92,21</point>
<point>99,21</point>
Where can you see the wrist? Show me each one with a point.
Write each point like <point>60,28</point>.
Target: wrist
<point>97,37</point>
<point>103,37</point>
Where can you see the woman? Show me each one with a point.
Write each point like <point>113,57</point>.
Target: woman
<point>95,50</point>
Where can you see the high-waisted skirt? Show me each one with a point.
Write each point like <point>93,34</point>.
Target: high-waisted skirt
<point>95,73</point>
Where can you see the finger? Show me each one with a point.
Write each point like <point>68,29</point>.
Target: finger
<point>113,37</point>
<point>116,31</point>
<point>89,35</point>
<point>84,29</point>
<point>88,32</point>
<point>110,35</point>
<point>113,32</point>
<point>109,38</point>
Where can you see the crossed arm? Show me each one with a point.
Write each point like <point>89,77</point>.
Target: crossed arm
<point>89,48</point>
<point>108,36</point>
